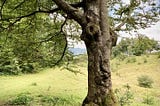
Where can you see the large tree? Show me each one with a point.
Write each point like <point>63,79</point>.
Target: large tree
<point>98,35</point>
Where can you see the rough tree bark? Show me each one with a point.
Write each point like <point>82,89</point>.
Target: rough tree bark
<point>98,43</point>
<point>95,34</point>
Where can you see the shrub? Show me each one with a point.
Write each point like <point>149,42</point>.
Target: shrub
<point>14,67</point>
<point>56,101</point>
<point>159,55</point>
<point>145,81</point>
<point>9,66</point>
<point>27,68</point>
<point>148,100</point>
<point>139,63</point>
<point>131,60</point>
<point>49,100</point>
<point>122,57</point>
<point>124,97</point>
<point>145,60</point>
<point>34,84</point>
<point>21,99</point>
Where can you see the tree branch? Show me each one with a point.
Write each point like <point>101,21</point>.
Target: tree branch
<point>118,28</point>
<point>17,19</point>
<point>19,5</point>
<point>65,48</point>
<point>76,5</point>
<point>2,7</point>
<point>71,11</point>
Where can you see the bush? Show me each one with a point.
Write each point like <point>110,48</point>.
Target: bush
<point>10,69</point>
<point>124,97</point>
<point>145,60</point>
<point>21,99</point>
<point>148,100</point>
<point>27,68</point>
<point>145,81</point>
<point>14,67</point>
<point>159,55</point>
<point>57,101</point>
<point>122,57</point>
<point>131,60</point>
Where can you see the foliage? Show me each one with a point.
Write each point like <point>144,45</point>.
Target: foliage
<point>131,59</point>
<point>133,15</point>
<point>21,99</point>
<point>126,97</point>
<point>143,44</point>
<point>145,81</point>
<point>23,50</point>
<point>55,101</point>
<point>135,46</point>
<point>122,57</point>
<point>158,54</point>
<point>148,100</point>
<point>145,60</point>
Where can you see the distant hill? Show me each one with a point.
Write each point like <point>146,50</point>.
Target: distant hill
<point>77,51</point>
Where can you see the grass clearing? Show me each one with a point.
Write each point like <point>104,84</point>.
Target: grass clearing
<point>63,88</point>
<point>49,82</point>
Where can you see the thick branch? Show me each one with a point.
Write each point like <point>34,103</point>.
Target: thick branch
<point>76,5</point>
<point>71,11</point>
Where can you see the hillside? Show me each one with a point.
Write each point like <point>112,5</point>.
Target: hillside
<point>61,87</point>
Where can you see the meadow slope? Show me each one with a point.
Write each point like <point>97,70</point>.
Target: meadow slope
<point>59,86</point>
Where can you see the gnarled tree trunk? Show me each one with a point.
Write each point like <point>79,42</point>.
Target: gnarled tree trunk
<point>95,34</point>
<point>98,43</point>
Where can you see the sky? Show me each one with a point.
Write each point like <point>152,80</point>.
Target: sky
<point>152,32</point>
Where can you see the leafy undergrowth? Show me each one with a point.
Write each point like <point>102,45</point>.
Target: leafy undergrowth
<point>60,87</point>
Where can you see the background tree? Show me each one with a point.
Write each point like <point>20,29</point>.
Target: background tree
<point>91,15</point>
<point>135,46</point>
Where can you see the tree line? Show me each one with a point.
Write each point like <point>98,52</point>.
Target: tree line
<point>135,46</point>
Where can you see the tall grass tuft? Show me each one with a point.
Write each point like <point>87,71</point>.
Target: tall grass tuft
<point>145,81</point>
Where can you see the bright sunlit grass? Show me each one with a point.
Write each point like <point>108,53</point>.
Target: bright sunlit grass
<point>65,84</point>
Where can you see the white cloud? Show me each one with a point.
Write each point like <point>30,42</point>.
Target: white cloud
<point>126,1</point>
<point>80,45</point>
<point>152,32</point>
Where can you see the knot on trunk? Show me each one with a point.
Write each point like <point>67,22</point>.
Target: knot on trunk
<point>92,31</point>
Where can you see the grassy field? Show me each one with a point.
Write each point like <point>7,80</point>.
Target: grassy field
<point>62,87</point>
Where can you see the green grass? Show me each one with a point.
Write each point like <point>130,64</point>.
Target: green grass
<point>63,88</point>
<point>127,73</point>
<point>49,82</point>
